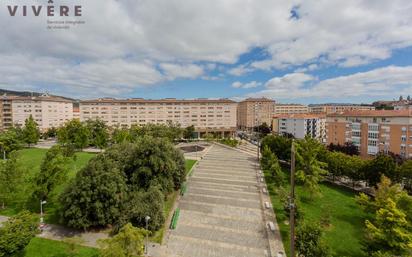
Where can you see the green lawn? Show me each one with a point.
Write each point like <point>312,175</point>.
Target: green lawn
<point>346,230</point>
<point>40,247</point>
<point>30,159</point>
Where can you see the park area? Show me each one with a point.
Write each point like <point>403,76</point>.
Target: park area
<point>30,159</point>
<point>344,232</point>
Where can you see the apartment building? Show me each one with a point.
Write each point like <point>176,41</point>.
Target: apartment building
<point>372,131</point>
<point>6,120</point>
<point>48,111</point>
<point>332,108</point>
<point>301,125</point>
<point>207,115</point>
<point>253,112</point>
<point>280,109</point>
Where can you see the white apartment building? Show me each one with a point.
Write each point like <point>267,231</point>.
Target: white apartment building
<point>207,115</point>
<point>300,125</point>
<point>280,109</point>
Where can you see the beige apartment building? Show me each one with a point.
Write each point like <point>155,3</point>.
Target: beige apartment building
<point>253,112</point>
<point>207,115</point>
<point>332,108</point>
<point>372,131</point>
<point>280,109</point>
<point>48,111</point>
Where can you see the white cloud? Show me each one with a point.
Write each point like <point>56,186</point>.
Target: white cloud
<point>251,84</point>
<point>383,82</point>
<point>176,35</point>
<point>240,70</point>
<point>173,71</point>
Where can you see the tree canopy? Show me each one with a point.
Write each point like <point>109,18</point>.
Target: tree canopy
<point>16,233</point>
<point>129,242</point>
<point>31,133</point>
<point>124,184</point>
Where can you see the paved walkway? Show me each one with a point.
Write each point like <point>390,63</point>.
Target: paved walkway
<point>222,214</point>
<point>56,232</point>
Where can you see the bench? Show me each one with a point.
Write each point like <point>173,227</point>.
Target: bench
<point>271,226</point>
<point>267,205</point>
<point>264,190</point>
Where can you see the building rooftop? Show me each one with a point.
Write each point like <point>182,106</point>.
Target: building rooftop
<point>44,97</point>
<point>260,99</point>
<point>373,113</point>
<point>166,100</point>
<point>300,116</point>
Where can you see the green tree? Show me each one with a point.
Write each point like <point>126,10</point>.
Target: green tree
<point>189,132</point>
<point>16,233</point>
<point>309,170</point>
<point>9,142</point>
<point>53,172</point>
<point>96,195</point>
<point>98,132</point>
<point>405,171</point>
<point>123,184</point>
<point>309,242</point>
<point>270,163</point>
<point>31,133</point>
<point>389,230</point>
<point>74,133</point>
<point>121,135</point>
<point>380,165</point>
<point>11,180</point>
<point>129,242</point>
<point>279,145</point>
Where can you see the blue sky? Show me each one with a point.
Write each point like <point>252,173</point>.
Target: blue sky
<point>292,51</point>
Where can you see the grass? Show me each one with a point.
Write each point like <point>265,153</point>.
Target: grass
<point>30,160</point>
<point>344,235</point>
<point>40,247</point>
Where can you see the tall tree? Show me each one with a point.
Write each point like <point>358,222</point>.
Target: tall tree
<point>310,170</point>
<point>381,165</point>
<point>9,141</point>
<point>129,242</point>
<point>11,180</point>
<point>270,163</point>
<point>31,133</point>
<point>389,229</point>
<point>53,172</point>
<point>189,132</point>
<point>74,133</point>
<point>279,145</point>
<point>16,233</point>
<point>98,132</point>
<point>121,135</point>
<point>405,171</point>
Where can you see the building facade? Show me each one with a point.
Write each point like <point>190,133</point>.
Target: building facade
<point>47,111</point>
<point>280,109</point>
<point>206,115</point>
<point>301,125</point>
<point>333,108</point>
<point>372,131</point>
<point>253,112</point>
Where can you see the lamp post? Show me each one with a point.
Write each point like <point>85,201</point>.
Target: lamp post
<point>147,218</point>
<point>41,211</point>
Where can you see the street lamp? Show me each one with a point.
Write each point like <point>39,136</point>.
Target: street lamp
<point>147,218</point>
<point>41,211</point>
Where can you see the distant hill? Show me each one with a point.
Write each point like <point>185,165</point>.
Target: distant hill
<point>27,93</point>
